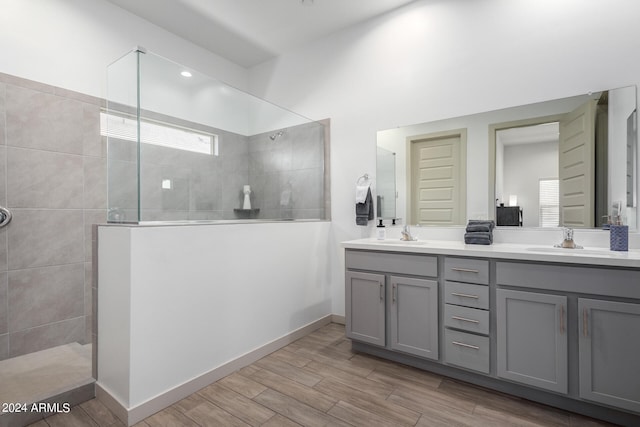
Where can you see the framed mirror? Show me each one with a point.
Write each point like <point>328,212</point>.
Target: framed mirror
<point>514,161</point>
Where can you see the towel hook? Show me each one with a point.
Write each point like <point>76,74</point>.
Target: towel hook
<point>364,177</point>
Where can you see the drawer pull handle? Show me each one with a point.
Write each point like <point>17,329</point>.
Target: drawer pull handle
<point>461,344</point>
<point>562,319</point>
<point>456,294</point>
<point>464,270</point>
<point>381,292</point>
<point>585,322</point>
<point>464,319</point>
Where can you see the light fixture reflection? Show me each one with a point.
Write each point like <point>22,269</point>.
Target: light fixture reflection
<point>185,74</point>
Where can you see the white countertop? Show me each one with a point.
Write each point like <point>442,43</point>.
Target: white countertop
<point>512,251</point>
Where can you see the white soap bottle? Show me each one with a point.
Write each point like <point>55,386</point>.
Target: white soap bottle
<point>381,231</point>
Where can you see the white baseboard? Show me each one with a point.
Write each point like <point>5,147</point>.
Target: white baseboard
<point>336,318</point>
<point>131,416</point>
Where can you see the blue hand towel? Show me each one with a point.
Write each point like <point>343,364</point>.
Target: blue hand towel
<point>364,211</point>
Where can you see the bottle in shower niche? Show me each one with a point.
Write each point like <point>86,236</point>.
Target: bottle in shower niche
<point>247,200</point>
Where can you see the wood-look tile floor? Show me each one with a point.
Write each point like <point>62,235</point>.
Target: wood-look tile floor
<point>319,381</point>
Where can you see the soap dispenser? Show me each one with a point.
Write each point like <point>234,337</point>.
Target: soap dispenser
<point>381,231</point>
<point>619,236</point>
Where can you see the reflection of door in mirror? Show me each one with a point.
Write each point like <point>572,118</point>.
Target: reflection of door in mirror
<point>549,163</point>
<point>437,178</point>
<point>576,158</point>
<point>385,183</point>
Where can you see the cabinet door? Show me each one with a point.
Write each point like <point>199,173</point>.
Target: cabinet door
<point>414,316</point>
<point>532,339</point>
<point>365,301</point>
<point>610,352</point>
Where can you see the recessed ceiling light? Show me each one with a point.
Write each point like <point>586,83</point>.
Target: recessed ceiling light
<point>185,74</point>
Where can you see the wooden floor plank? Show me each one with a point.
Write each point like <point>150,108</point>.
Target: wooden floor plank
<point>243,385</point>
<point>318,381</point>
<point>373,388</point>
<point>207,414</point>
<point>300,375</point>
<point>304,394</point>
<point>363,400</point>
<point>359,417</point>
<point>296,411</point>
<point>236,404</point>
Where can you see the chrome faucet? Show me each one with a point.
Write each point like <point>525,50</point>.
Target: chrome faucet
<point>406,234</point>
<point>567,240</point>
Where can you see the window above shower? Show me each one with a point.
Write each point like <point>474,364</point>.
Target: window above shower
<point>183,146</point>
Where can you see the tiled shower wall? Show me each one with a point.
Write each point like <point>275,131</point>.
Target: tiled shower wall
<point>53,179</point>
<point>286,176</point>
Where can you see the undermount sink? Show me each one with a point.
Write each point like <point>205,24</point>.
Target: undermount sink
<point>567,251</point>
<point>402,242</point>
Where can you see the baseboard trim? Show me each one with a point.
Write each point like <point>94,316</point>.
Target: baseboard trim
<point>337,318</point>
<point>136,414</point>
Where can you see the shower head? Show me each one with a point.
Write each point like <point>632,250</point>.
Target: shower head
<point>277,135</point>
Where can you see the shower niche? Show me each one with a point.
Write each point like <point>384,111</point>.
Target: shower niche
<point>182,147</point>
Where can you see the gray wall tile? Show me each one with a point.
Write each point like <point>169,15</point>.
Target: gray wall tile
<point>43,121</point>
<point>95,183</point>
<point>91,217</point>
<point>4,346</point>
<point>39,238</point>
<point>38,296</point>
<point>42,179</point>
<point>88,288</point>
<point>47,336</point>
<point>3,247</point>
<point>4,304</point>
<point>2,113</point>
<point>3,174</point>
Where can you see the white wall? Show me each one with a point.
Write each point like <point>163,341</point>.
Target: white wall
<point>437,59</point>
<point>197,297</point>
<point>524,166</point>
<point>70,43</point>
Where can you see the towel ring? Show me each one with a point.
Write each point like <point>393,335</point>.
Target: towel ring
<point>5,216</point>
<point>364,178</point>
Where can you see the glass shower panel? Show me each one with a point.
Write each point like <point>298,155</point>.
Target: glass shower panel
<point>119,125</point>
<point>204,144</point>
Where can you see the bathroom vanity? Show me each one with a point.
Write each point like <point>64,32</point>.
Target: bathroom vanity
<point>557,326</point>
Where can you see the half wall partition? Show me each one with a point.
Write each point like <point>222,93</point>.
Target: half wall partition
<point>184,147</point>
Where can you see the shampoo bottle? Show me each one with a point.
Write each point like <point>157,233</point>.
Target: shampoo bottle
<point>381,231</point>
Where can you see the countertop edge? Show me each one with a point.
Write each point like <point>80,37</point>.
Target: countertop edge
<point>506,251</point>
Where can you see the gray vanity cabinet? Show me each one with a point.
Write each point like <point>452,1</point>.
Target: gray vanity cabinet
<point>414,316</point>
<point>365,305</point>
<point>609,347</point>
<point>532,339</point>
<point>392,301</point>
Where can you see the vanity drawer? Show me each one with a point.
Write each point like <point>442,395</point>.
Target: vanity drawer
<point>466,294</point>
<point>407,264</point>
<point>466,350</point>
<point>467,270</point>
<point>468,319</point>
<point>614,282</point>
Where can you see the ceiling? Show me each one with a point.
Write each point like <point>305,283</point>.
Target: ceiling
<point>249,32</point>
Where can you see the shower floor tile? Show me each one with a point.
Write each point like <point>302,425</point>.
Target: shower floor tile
<point>37,376</point>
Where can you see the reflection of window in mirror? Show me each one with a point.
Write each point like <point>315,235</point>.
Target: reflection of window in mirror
<point>549,202</point>
<point>437,178</point>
